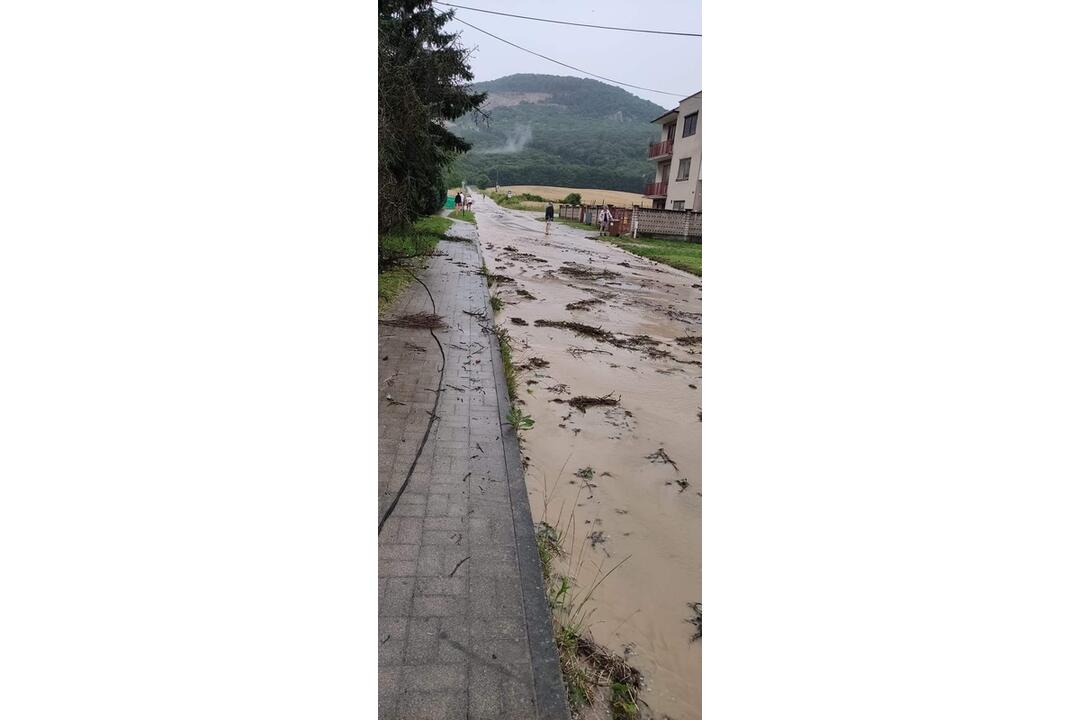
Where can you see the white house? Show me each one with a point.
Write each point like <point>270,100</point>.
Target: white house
<point>679,146</point>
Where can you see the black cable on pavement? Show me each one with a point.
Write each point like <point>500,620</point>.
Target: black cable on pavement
<point>431,420</point>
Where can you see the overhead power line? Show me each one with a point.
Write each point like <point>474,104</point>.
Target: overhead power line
<point>559,62</point>
<point>566,22</point>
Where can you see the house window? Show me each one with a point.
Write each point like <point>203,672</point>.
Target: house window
<point>684,169</point>
<point>678,205</point>
<point>689,125</point>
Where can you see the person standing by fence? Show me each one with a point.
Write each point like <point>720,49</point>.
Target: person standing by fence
<point>605,220</point>
<point>549,215</point>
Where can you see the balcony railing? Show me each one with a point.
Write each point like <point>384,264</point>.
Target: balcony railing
<point>660,149</point>
<point>656,189</point>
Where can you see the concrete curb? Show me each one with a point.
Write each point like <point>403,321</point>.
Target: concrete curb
<point>548,688</point>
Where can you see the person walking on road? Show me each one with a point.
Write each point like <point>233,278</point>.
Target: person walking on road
<point>549,215</point>
<point>468,203</point>
<point>457,201</point>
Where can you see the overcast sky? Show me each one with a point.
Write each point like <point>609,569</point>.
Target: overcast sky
<point>662,62</point>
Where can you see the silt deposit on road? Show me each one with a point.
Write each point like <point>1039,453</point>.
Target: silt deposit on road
<point>622,476</point>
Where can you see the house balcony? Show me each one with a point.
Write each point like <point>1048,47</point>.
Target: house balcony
<point>661,150</point>
<point>655,190</point>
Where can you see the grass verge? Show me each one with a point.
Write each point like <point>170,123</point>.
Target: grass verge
<point>396,249</point>
<point>681,254</point>
<point>466,215</point>
<point>591,674</point>
<point>503,335</point>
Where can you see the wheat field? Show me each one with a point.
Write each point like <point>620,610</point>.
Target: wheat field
<point>589,196</point>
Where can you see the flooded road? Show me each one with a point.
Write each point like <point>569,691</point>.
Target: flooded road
<point>618,471</point>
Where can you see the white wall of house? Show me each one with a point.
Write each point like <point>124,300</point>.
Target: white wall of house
<point>684,193</point>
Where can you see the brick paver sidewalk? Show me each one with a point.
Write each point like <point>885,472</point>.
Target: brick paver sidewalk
<point>464,630</point>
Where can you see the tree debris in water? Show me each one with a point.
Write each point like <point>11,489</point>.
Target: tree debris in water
<point>608,663</point>
<point>578,329</point>
<point>534,363</point>
<point>518,321</point>
<point>577,352</point>
<point>688,340</point>
<point>696,620</point>
<point>581,272</point>
<point>584,402</point>
<point>584,304</point>
<point>661,456</point>
<point>641,343</point>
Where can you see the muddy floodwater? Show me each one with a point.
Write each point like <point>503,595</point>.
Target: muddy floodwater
<point>621,477</point>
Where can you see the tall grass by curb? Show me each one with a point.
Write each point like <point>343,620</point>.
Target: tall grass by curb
<point>591,673</point>
<point>509,371</point>
<point>502,335</point>
<point>465,215</point>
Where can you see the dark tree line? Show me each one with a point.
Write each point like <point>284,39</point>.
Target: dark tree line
<point>424,80</point>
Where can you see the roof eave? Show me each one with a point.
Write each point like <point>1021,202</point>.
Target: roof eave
<point>669,112</point>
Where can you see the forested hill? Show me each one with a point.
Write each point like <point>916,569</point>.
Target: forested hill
<point>554,130</point>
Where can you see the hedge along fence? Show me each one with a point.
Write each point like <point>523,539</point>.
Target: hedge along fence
<point>683,224</point>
